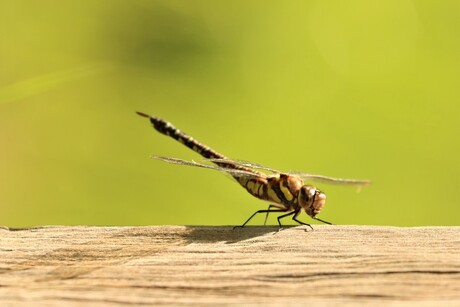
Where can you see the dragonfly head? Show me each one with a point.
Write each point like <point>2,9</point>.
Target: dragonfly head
<point>311,200</point>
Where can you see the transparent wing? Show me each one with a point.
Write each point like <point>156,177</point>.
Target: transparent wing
<point>248,173</point>
<point>320,178</point>
<point>243,164</point>
<point>233,172</point>
<point>326,179</point>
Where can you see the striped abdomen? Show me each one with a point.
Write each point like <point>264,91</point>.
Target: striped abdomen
<point>168,129</point>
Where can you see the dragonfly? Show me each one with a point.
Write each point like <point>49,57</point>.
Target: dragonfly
<point>286,192</point>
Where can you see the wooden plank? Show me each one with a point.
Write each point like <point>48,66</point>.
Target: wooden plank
<point>196,265</point>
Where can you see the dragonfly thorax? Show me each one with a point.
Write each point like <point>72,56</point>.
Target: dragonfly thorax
<point>311,200</point>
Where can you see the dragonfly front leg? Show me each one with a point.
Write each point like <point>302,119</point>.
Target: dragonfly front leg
<point>300,222</point>
<point>260,211</point>
<point>325,222</point>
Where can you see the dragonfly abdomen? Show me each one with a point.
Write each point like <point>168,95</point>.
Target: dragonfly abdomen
<point>168,129</point>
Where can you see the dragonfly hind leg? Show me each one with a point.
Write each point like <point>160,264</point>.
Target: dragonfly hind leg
<point>261,211</point>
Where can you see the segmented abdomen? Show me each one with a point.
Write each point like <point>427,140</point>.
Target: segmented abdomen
<point>168,129</point>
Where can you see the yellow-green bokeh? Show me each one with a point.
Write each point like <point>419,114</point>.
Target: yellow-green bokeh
<point>358,89</point>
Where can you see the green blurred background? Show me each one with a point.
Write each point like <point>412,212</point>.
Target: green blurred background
<point>357,89</point>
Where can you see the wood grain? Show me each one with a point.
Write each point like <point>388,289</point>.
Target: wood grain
<point>197,265</point>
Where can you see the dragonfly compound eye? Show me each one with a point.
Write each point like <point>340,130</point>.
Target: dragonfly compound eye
<point>306,197</point>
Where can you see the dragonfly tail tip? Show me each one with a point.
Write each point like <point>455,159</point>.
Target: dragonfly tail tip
<point>142,114</point>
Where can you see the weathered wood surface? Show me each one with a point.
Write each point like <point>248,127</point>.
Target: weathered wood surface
<point>181,265</point>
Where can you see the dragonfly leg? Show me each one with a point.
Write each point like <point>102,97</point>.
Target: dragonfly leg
<point>294,218</point>
<point>260,211</point>
<point>325,222</point>
<point>268,211</point>
<point>282,217</point>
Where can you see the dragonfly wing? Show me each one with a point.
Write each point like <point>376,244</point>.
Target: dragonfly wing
<point>243,164</point>
<point>326,179</point>
<point>244,173</point>
<point>233,172</point>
